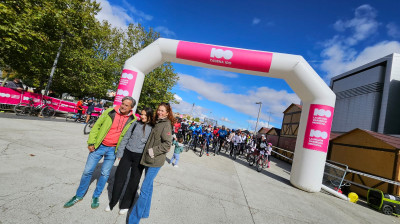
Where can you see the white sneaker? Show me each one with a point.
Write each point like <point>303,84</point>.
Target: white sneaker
<point>123,211</point>
<point>108,208</point>
<point>176,166</point>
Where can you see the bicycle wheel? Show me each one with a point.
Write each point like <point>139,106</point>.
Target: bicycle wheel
<point>234,153</point>
<point>88,127</point>
<point>22,109</point>
<point>47,111</point>
<point>251,159</point>
<point>259,164</point>
<point>187,147</point>
<point>202,149</point>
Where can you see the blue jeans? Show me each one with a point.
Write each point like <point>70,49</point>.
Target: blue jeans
<point>91,163</point>
<point>142,206</point>
<point>176,157</point>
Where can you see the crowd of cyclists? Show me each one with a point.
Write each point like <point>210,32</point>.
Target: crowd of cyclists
<point>212,140</point>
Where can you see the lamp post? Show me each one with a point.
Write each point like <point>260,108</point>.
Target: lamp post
<point>258,116</point>
<point>269,117</point>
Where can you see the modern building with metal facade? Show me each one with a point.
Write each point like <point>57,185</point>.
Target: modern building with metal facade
<point>368,97</point>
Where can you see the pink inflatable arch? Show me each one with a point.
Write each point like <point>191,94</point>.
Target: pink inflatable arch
<point>318,99</point>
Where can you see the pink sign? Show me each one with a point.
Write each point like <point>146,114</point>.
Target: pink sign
<point>224,56</point>
<point>126,85</point>
<point>9,96</point>
<point>36,97</point>
<point>318,127</point>
<point>67,106</point>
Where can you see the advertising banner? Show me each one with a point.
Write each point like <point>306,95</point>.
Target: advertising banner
<point>9,96</point>
<point>318,127</point>
<point>126,85</point>
<point>225,56</point>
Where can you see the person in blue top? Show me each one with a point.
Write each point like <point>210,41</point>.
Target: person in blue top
<point>222,133</point>
<point>207,135</point>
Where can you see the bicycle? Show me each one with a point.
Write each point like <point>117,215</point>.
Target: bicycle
<point>251,157</point>
<point>88,127</point>
<point>75,117</point>
<point>261,161</point>
<point>23,109</point>
<point>233,152</point>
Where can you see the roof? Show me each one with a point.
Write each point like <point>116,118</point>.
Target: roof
<point>335,135</point>
<point>291,105</point>
<point>391,140</point>
<point>277,130</point>
<point>263,130</point>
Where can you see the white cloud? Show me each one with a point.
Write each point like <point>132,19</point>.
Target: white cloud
<point>164,31</point>
<point>256,21</point>
<point>273,101</point>
<point>361,26</point>
<point>178,98</point>
<point>339,52</point>
<point>225,119</point>
<point>199,97</point>
<point>137,12</point>
<point>261,124</point>
<point>214,72</point>
<point>115,15</point>
<point>393,30</point>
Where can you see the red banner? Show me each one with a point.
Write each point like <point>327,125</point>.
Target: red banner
<point>9,96</point>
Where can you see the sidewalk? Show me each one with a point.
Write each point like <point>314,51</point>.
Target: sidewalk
<point>41,163</point>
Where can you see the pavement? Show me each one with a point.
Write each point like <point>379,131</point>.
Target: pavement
<point>41,162</point>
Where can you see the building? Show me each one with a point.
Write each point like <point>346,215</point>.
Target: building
<point>371,153</point>
<point>290,126</point>
<point>368,97</point>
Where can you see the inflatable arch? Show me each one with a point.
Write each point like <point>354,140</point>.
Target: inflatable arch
<point>318,99</point>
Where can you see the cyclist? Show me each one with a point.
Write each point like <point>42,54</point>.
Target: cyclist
<point>196,133</point>
<point>207,136</point>
<point>221,138</point>
<point>79,108</point>
<point>230,137</point>
<point>215,137</point>
<point>191,130</point>
<point>184,128</point>
<point>177,126</point>
<point>236,140</point>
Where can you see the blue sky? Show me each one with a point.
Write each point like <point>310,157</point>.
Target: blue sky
<point>333,36</point>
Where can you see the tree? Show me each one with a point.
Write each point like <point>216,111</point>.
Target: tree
<point>93,52</point>
<point>197,119</point>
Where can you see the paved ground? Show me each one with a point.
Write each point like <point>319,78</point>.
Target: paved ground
<point>41,163</point>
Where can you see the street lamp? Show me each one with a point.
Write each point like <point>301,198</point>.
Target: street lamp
<point>258,116</point>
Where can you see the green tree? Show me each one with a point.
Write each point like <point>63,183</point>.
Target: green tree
<point>93,52</point>
<point>197,119</point>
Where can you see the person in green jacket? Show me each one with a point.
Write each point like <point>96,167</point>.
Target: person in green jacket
<point>104,139</point>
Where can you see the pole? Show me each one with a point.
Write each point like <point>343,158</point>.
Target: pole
<point>191,113</point>
<point>269,117</point>
<point>54,67</point>
<point>258,116</point>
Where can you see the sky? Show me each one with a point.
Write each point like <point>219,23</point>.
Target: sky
<point>332,36</point>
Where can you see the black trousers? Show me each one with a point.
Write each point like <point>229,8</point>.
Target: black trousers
<point>129,160</point>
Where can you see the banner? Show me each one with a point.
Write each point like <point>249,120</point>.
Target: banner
<point>9,96</point>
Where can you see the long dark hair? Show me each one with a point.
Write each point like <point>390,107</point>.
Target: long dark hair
<point>150,117</point>
<point>170,115</point>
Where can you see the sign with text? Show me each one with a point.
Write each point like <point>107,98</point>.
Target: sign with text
<point>126,85</point>
<point>9,96</point>
<point>318,127</point>
<point>225,56</point>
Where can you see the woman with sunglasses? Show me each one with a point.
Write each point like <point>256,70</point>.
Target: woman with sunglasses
<point>153,159</point>
<point>131,151</point>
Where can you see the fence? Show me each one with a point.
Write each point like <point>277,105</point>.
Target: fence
<point>335,173</point>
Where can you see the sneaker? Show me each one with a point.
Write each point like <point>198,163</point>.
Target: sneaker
<point>123,211</point>
<point>176,166</point>
<point>108,208</point>
<point>95,203</point>
<point>74,200</point>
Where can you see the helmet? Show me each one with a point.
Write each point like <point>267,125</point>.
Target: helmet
<point>223,126</point>
<point>215,127</point>
<point>270,144</point>
<point>262,136</point>
<point>233,130</point>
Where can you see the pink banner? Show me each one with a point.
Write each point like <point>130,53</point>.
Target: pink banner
<point>223,56</point>
<point>318,127</point>
<point>14,97</point>
<point>126,85</point>
<point>9,96</point>
<point>67,106</point>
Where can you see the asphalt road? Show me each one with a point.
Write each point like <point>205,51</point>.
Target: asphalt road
<point>41,162</point>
